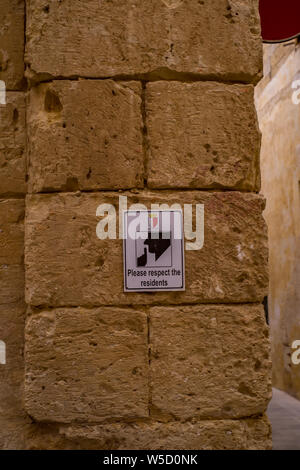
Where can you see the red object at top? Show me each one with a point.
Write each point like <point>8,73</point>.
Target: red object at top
<point>280,19</point>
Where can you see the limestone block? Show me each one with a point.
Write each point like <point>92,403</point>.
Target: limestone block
<point>13,420</point>
<point>11,283</point>
<point>209,361</point>
<point>11,373</point>
<point>86,365</point>
<point>67,265</point>
<point>11,250</point>
<point>12,43</point>
<point>202,135</point>
<point>12,145</point>
<point>153,38</point>
<point>85,135</point>
<point>246,434</point>
<point>11,231</point>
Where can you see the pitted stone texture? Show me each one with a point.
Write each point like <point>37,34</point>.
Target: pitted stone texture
<point>12,333</point>
<point>214,38</point>
<point>85,135</point>
<point>209,361</point>
<point>11,283</point>
<point>13,419</point>
<point>12,213</point>
<point>11,250</point>
<point>247,434</point>
<point>66,264</point>
<point>86,365</point>
<point>12,145</point>
<point>202,135</point>
<point>12,43</point>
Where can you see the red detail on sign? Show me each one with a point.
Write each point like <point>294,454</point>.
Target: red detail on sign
<point>280,19</point>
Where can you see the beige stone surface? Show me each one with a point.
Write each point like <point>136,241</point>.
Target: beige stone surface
<point>104,369</point>
<point>14,432</point>
<point>12,212</point>
<point>161,38</point>
<point>13,145</point>
<point>85,134</point>
<point>11,283</point>
<point>202,135</point>
<point>209,361</point>
<point>86,365</point>
<point>279,119</point>
<point>66,264</point>
<point>12,43</point>
<point>247,434</point>
<point>11,373</point>
<point>13,420</point>
<point>11,250</point>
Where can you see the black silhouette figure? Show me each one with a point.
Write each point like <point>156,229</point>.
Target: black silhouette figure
<point>155,245</point>
<point>142,260</point>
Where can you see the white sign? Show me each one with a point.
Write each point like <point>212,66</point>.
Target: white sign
<point>153,251</point>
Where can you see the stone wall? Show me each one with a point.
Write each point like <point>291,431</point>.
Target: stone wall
<point>279,120</point>
<point>152,100</point>
<point>13,419</point>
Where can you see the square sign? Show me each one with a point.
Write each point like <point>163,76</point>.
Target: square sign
<point>153,251</point>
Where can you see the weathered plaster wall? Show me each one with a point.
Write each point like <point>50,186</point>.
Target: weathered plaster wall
<point>279,120</point>
<point>153,100</point>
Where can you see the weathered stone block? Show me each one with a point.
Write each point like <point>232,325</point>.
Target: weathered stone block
<point>85,135</point>
<point>86,365</point>
<point>163,38</point>
<point>202,135</point>
<point>11,250</point>
<point>12,43</point>
<point>66,264</point>
<point>11,373</point>
<point>13,145</point>
<point>209,361</point>
<point>14,432</point>
<point>246,434</point>
<point>13,420</point>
